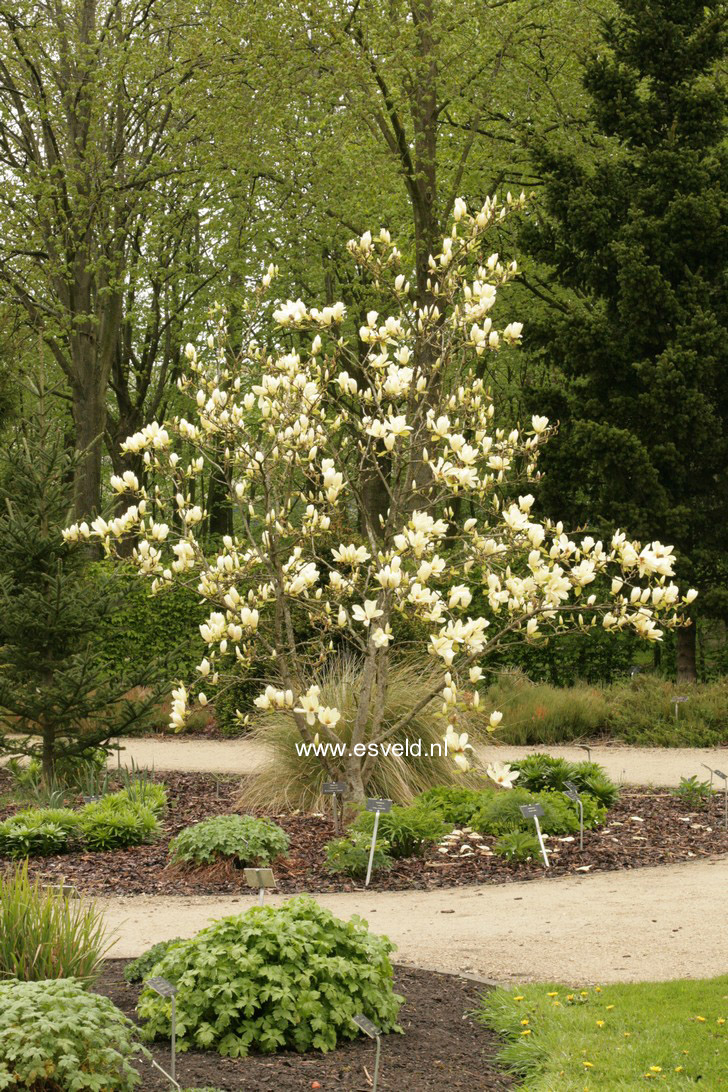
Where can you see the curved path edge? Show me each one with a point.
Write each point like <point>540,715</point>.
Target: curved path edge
<point>649,924</point>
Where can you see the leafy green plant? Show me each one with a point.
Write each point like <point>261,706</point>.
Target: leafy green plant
<point>44,934</point>
<point>116,823</point>
<point>455,805</point>
<point>501,813</point>
<point>518,845</point>
<point>407,831</point>
<point>541,771</point>
<point>58,1036</point>
<point>145,793</point>
<point>351,855</point>
<point>272,979</point>
<point>39,833</point>
<point>693,793</point>
<point>139,968</point>
<point>241,839</point>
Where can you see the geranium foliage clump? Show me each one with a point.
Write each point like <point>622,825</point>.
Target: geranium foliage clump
<point>370,485</point>
<point>243,839</point>
<point>271,979</point>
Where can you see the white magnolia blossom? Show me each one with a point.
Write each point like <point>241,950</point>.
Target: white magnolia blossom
<point>502,774</point>
<point>302,433</point>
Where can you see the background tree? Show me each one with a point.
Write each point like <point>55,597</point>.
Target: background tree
<point>58,699</point>
<point>638,239</point>
<point>99,203</point>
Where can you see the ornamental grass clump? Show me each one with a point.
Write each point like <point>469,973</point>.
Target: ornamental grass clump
<point>45,934</point>
<point>58,1037</point>
<point>234,840</point>
<point>274,979</point>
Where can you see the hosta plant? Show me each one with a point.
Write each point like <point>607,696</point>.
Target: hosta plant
<point>239,839</point>
<point>272,979</point>
<point>57,1037</point>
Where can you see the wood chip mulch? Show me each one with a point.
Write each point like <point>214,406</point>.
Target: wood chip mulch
<point>645,827</point>
<point>442,1047</point>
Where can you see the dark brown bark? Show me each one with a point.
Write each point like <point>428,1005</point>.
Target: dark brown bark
<point>686,659</point>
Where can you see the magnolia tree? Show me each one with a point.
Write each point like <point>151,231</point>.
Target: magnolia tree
<point>302,431</point>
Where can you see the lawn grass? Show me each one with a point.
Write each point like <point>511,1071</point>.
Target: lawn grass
<point>667,1034</point>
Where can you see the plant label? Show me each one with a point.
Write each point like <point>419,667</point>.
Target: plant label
<point>162,986</point>
<point>379,805</point>
<point>534,811</point>
<point>572,792</point>
<point>364,1023</point>
<point>719,773</point>
<point>332,788</point>
<point>259,878</point>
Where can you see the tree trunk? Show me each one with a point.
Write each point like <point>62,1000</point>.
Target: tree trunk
<point>49,756</point>
<point>89,416</point>
<point>686,669</point>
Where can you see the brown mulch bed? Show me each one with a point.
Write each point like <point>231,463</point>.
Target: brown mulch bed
<point>442,1047</point>
<point>646,827</point>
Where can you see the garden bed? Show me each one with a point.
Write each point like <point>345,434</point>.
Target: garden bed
<point>645,827</point>
<point>442,1047</point>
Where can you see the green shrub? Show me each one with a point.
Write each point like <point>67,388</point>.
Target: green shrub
<point>45,934</point>
<point>455,805</point>
<point>351,855</point>
<point>39,832</point>
<point>642,712</point>
<point>407,831</point>
<point>501,813</point>
<point>272,979</point>
<point>693,793</point>
<point>57,1036</point>
<point>519,845</point>
<point>242,839</point>
<point>539,713</point>
<point>116,823</point>
<point>140,968</point>
<point>541,771</point>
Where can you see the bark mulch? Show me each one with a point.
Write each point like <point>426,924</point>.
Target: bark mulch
<point>442,1047</point>
<point>645,827</point>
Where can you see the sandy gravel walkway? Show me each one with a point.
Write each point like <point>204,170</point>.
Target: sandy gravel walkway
<point>629,765</point>
<point>654,924</point>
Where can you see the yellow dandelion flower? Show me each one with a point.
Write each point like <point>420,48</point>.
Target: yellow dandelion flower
<point>519,997</point>
<point>552,994</point>
<point>569,997</point>
<point>720,1020</point>
<point>679,1068</point>
<point>628,1034</point>
<point>524,1022</point>
<point>700,1019</point>
<point>600,1023</point>
<point>609,1008</point>
<point>588,1065</point>
<point>655,1069</point>
<point>526,1032</point>
<point>597,989</point>
<point>584,993</point>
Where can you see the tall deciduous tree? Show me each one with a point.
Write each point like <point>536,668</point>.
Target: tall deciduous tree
<point>98,198</point>
<point>640,239</point>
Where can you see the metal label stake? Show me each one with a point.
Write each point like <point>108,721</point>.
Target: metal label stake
<point>370,1029</point>
<point>334,789</point>
<point>719,773</point>
<point>533,811</point>
<point>259,878</point>
<point>572,792</point>
<point>377,806</point>
<point>165,988</point>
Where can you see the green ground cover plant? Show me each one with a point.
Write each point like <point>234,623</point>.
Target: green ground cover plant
<point>139,968</point>
<point>501,813</point>
<point>407,831</point>
<point>351,854</point>
<point>540,771</point>
<point>271,979</point>
<point>40,832</point>
<point>46,935</point>
<point>116,822</point>
<point>58,1036</point>
<point>240,839</point>
<point>672,1034</point>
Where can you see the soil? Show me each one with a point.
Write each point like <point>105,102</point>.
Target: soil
<point>441,1047</point>
<point>644,828</point>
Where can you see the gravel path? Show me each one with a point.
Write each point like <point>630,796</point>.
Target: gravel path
<point>654,924</point>
<point>627,765</point>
